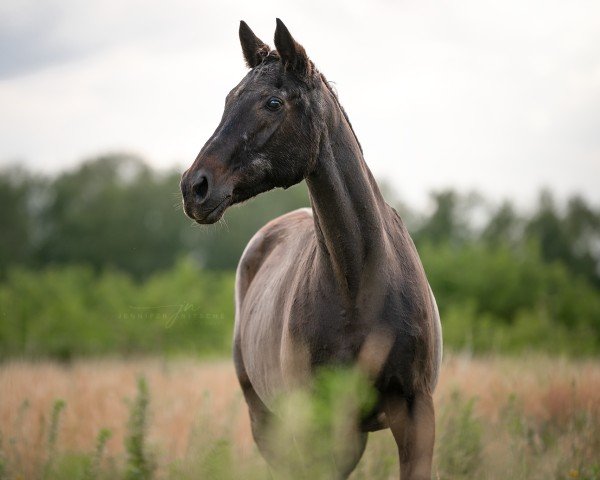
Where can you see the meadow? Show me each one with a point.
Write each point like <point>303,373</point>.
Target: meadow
<point>116,319</point>
<point>498,417</point>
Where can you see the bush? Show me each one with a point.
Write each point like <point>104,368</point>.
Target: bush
<point>70,311</point>
<point>491,299</point>
<point>497,298</point>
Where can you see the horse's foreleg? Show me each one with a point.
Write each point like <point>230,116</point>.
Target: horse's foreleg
<point>412,422</point>
<point>260,419</point>
<point>260,416</point>
<point>351,453</point>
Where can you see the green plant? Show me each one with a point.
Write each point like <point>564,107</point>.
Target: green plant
<point>57,408</point>
<point>3,474</point>
<point>94,466</point>
<point>459,447</point>
<point>313,430</point>
<point>140,463</point>
<point>18,436</point>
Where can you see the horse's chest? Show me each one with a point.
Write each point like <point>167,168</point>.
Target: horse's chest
<point>287,333</point>
<point>285,339</point>
<point>329,333</point>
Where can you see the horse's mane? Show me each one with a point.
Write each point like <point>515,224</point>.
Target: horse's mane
<point>337,101</point>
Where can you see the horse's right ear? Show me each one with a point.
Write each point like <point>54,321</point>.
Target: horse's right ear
<point>292,54</point>
<point>253,47</point>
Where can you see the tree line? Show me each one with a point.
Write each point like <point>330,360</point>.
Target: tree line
<point>79,249</point>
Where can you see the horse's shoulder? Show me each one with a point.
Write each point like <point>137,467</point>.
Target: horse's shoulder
<point>271,233</point>
<point>290,220</point>
<point>265,240</point>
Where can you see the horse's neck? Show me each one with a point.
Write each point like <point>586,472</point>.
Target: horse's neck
<point>349,210</point>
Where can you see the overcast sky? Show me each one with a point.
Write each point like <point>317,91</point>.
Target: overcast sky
<point>502,97</point>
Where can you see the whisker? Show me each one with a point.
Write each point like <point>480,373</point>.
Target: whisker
<point>222,221</point>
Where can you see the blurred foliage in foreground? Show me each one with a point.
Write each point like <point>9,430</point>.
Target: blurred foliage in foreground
<point>101,260</point>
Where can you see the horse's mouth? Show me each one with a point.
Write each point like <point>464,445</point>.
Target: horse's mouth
<point>215,214</point>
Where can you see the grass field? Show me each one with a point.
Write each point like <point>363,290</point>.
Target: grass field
<point>497,417</point>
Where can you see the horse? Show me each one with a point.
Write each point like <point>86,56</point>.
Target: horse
<point>337,284</point>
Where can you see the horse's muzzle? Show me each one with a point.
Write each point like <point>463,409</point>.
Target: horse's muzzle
<point>202,200</point>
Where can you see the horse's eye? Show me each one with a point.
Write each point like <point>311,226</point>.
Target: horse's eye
<point>274,103</point>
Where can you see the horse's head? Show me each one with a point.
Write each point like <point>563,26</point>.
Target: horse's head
<point>270,130</point>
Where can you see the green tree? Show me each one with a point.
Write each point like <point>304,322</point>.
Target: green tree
<point>16,217</point>
<point>451,218</point>
<point>504,226</point>
<point>571,238</point>
<point>112,212</point>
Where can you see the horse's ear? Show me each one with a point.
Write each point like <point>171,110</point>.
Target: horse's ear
<point>253,47</point>
<point>292,54</point>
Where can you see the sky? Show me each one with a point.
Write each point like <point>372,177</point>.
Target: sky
<point>502,97</point>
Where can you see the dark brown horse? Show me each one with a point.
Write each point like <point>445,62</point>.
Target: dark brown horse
<point>338,284</point>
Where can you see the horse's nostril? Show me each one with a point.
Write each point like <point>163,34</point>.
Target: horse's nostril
<point>200,189</point>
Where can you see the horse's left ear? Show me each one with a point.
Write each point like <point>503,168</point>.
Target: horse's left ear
<point>253,47</point>
<point>292,54</point>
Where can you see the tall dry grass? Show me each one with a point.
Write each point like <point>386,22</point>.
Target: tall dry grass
<point>530,417</point>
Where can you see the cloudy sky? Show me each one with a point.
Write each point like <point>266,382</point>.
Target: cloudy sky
<point>502,97</point>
